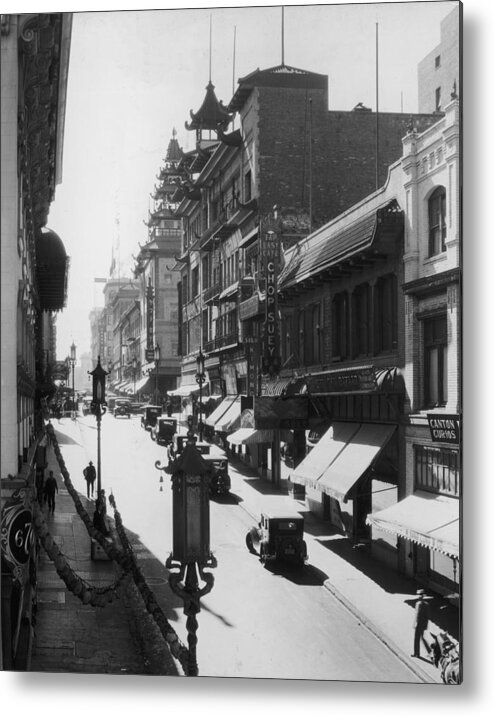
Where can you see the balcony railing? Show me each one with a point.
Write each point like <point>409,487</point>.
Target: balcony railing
<point>212,292</point>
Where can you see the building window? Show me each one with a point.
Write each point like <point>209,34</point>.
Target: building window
<point>438,99</point>
<point>435,361</point>
<point>361,320</point>
<point>437,222</point>
<point>437,61</point>
<point>195,281</point>
<point>248,186</point>
<point>385,315</point>
<point>340,326</point>
<point>437,470</point>
<point>301,337</point>
<point>316,334</point>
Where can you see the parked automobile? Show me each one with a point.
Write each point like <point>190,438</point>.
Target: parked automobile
<point>220,482</point>
<point>150,415</point>
<point>136,408</point>
<point>279,536</point>
<point>122,408</point>
<point>164,430</point>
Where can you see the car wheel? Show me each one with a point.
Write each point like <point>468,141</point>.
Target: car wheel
<point>262,554</point>
<point>249,543</point>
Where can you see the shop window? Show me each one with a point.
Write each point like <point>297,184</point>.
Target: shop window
<point>340,326</point>
<point>435,362</point>
<point>437,470</point>
<point>361,320</point>
<point>437,222</point>
<point>385,315</point>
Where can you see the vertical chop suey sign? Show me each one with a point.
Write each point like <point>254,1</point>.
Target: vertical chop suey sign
<point>271,341</point>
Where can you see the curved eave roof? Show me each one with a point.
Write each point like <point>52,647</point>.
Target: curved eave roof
<point>378,231</point>
<point>52,266</point>
<point>212,113</point>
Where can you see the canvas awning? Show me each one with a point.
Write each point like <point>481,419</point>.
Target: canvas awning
<point>426,518</point>
<point>231,419</point>
<point>220,410</point>
<point>251,436</point>
<point>141,384</point>
<point>184,391</point>
<point>341,457</point>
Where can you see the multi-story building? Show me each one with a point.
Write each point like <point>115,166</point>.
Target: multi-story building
<point>426,519</point>
<point>290,167</point>
<point>439,73</point>
<point>158,283</point>
<point>34,269</point>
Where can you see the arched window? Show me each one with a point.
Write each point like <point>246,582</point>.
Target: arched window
<point>437,222</point>
<point>340,326</point>
<point>361,320</point>
<point>385,314</point>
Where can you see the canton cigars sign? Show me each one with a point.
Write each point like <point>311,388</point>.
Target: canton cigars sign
<point>444,428</point>
<point>342,382</point>
<point>271,360</point>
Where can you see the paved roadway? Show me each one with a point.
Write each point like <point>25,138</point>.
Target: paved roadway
<point>257,622</point>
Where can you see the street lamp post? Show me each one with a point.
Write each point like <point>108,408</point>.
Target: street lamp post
<point>134,370</point>
<point>72,360</point>
<point>200,378</point>
<point>156,367</point>
<point>191,549</point>
<point>98,408</point>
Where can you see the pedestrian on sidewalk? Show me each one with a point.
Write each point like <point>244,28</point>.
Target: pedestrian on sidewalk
<point>89,473</point>
<point>50,488</point>
<point>421,622</point>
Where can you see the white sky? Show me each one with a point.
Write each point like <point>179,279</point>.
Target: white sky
<point>134,76</point>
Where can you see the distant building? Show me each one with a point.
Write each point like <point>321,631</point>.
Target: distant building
<point>439,73</point>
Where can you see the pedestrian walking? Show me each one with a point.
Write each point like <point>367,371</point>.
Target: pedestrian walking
<point>51,487</point>
<point>89,473</point>
<point>420,624</point>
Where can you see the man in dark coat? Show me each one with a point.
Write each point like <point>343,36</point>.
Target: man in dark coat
<point>89,473</point>
<point>50,488</point>
<point>421,623</point>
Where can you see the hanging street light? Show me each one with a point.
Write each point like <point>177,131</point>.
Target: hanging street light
<point>157,353</point>
<point>200,379</point>
<point>72,361</point>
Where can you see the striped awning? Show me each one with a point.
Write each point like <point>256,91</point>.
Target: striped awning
<point>251,436</point>
<point>220,410</point>
<point>426,518</point>
<point>275,387</point>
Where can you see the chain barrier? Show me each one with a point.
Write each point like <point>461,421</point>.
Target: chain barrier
<point>125,559</point>
<point>88,594</point>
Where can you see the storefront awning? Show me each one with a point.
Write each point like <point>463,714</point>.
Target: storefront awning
<point>275,387</point>
<point>426,518</point>
<point>342,455</point>
<point>231,419</point>
<point>354,460</point>
<point>251,436</point>
<point>220,410</point>
<point>142,383</point>
<point>184,391</point>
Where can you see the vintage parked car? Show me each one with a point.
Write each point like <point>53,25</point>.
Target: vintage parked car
<point>121,409</point>
<point>164,430</point>
<point>279,536</point>
<point>220,482</point>
<point>150,415</point>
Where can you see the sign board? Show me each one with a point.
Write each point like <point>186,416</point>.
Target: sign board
<point>274,413</point>
<point>150,355</point>
<point>149,318</point>
<point>271,359</point>
<point>17,536</point>
<point>444,428</point>
<point>342,382</point>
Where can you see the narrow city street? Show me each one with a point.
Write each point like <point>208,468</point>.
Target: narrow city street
<point>257,622</point>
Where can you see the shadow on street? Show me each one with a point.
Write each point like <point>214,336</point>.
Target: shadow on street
<point>307,576</point>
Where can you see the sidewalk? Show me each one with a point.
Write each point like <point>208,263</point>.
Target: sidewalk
<point>71,637</point>
<point>122,638</point>
<point>381,598</point>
